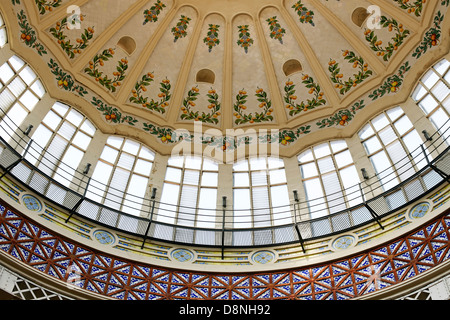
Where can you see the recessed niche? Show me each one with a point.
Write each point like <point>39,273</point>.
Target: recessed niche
<point>359,15</point>
<point>206,76</point>
<point>292,66</point>
<point>127,44</point>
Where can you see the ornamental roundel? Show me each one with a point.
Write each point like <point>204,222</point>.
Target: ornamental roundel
<point>32,203</point>
<point>104,237</point>
<point>343,242</point>
<point>182,255</point>
<point>263,257</point>
<point>419,211</point>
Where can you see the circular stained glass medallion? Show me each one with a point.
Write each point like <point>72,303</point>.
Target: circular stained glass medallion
<point>182,255</point>
<point>263,257</point>
<point>343,242</point>
<point>104,237</point>
<point>31,202</point>
<point>419,210</point>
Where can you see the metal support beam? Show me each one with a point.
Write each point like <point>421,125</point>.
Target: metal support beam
<point>224,205</point>
<point>78,204</point>
<point>297,229</point>
<point>150,218</point>
<point>375,216</point>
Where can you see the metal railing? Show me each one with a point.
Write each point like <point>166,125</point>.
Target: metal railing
<point>370,202</point>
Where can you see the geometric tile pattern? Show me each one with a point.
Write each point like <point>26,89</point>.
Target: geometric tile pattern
<point>119,278</point>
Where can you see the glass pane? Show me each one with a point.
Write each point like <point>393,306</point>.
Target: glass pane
<point>343,158</point>
<point>372,145</point>
<point>6,73</point>
<point>419,92</point>
<point>241,166</point>
<point>380,122</point>
<point>82,140</point>
<point>115,142</point>
<point>143,167</point>
<point>3,37</point>
<point>403,125</point>
<point>241,179</point>
<point>442,66</point>
<point>126,161</point>
<point>275,163</point>
<point>209,179</point>
<point>29,100</point>
<point>176,162</point>
<point>173,175</point>
<point>257,164</point>
<point>191,177</point>
<point>337,146</point>
<point>429,79</point>
<point>394,113</point>
<point>109,154</point>
<point>131,147</point>
<point>326,165</point>
<point>60,108</point>
<point>75,117</point>
<point>309,170</point>
<point>277,176</point>
<point>387,135</point>
<point>428,104</point>
<point>38,88</point>
<point>193,163</point>
<point>366,132</point>
<point>306,156</point>
<point>210,165</point>
<point>88,127</point>
<point>16,62</point>
<point>440,91</point>
<point>259,178</point>
<point>17,87</point>
<point>322,150</point>
<point>27,75</point>
<point>67,130</point>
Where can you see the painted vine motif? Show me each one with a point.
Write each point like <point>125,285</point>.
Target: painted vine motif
<point>392,84</point>
<point>151,15</point>
<point>28,35</point>
<point>179,31</point>
<point>212,37</point>
<point>415,7</point>
<point>336,76</point>
<point>70,49</point>
<point>305,15</point>
<point>285,137</point>
<point>214,106</point>
<point>431,38</point>
<point>166,135</point>
<point>112,114</point>
<point>47,5</point>
<point>245,41</point>
<point>376,45</point>
<point>141,87</point>
<point>276,31</point>
<point>342,117</point>
<point>104,80</point>
<point>258,117</point>
<point>290,97</point>
<point>64,80</point>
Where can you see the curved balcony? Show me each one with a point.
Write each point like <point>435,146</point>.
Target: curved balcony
<point>431,160</point>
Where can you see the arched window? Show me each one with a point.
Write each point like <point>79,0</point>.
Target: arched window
<point>260,193</point>
<point>20,92</point>
<point>3,34</point>
<point>432,94</point>
<point>121,175</point>
<point>329,177</point>
<point>60,142</point>
<point>189,195</point>
<point>393,146</point>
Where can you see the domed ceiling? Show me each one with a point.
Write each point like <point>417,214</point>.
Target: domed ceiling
<point>295,71</point>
